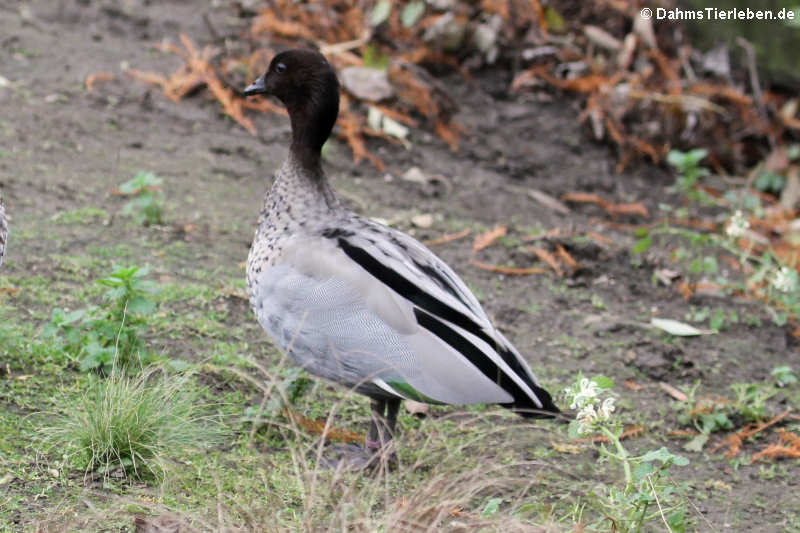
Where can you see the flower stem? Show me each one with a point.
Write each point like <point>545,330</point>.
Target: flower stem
<point>622,455</point>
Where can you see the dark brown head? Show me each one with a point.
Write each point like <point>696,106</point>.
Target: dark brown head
<point>307,85</point>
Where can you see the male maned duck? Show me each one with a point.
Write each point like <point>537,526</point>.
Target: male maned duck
<point>360,303</point>
<point>3,229</point>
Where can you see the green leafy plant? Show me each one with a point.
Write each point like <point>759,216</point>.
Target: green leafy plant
<point>784,376</point>
<point>706,413</point>
<point>778,284</point>
<point>710,414</point>
<point>718,318</point>
<point>687,165</point>
<point>647,493</point>
<point>129,424</point>
<point>769,182</point>
<point>146,205</point>
<point>103,336</point>
<point>767,277</point>
<point>751,400</point>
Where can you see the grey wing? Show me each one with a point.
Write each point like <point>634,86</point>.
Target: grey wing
<point>425,268</point>
<point>340,324</point>
<point>442,304</point>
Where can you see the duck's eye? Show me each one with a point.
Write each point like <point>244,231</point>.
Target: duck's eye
<point>280,68</point>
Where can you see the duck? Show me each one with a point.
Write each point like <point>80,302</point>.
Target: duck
<point>3,230</point>
<point>360,303</point>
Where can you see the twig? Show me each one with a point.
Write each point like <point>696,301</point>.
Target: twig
<point>340,48</point>
<point>220,514</point>
<point>672,391</point>
<point>660,510</point>
<point>753,71</point>
<point>448,238</point>
<point>734,442</point>
<point>700,514</point>
<point>211,29</point>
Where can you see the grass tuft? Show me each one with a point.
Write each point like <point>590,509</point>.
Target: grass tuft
<point>130,424</point>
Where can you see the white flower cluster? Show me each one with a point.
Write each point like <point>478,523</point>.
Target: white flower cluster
<point>737,225</point>
<point>585,397</point>
<point>588,417</point>
<point>587,391</point>
<point>785,280</point>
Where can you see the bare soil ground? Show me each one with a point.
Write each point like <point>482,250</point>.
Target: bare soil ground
<point>64,148</point>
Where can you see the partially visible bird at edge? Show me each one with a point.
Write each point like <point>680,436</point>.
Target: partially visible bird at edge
<point>360,303</point>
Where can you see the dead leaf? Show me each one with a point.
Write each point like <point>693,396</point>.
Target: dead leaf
<point>790,195</point>
<point>666,275</point>
<point>721,91</point>
<point>547,258</point>
<point>777,160</point>
<point>548,201</point>
<point>734,441</point>
<point>98,77</point>
<point>416,408</point>
<point>632,385</point>
<point>643,27</point>
<point>448,238</point>
<point>672,391</point>
<point>686,290</point>
<point>318,427</point>
<point>351,127</point>
<point>677,328</point>
<point>566,258</point>
<point>424,220</point>
<point>507,270</point>
<point>602,38</point>
<point>488,238</point>
<point>635,208</point>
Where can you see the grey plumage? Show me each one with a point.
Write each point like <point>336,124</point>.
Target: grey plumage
<point>360,303</point>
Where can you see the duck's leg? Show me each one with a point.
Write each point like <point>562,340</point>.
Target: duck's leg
<point>377,434</point>
<point>378,452</point>
<point>392,407</point>
<point>381,432</point>
<point>384,420</point>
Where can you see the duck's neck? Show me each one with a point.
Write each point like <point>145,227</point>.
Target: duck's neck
<point>303,179</point>
<point>312,124</point>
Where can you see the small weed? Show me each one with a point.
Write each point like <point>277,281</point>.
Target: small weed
<point>777,285</point>
<point>718,319</point>
<point>129,425</point>
<point>597,302</point>
<point>784,376</point>
<point>146,206</point>
<point>100,337</point>
<point>687,164</point>
<point>706,413</point>
<point>751,400</point>
<point>767,277</point>
<point>709,414</point>
<point>84,215</point>
<point>647,495</point>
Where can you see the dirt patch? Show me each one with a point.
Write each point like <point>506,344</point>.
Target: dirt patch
<point>66,148</point>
